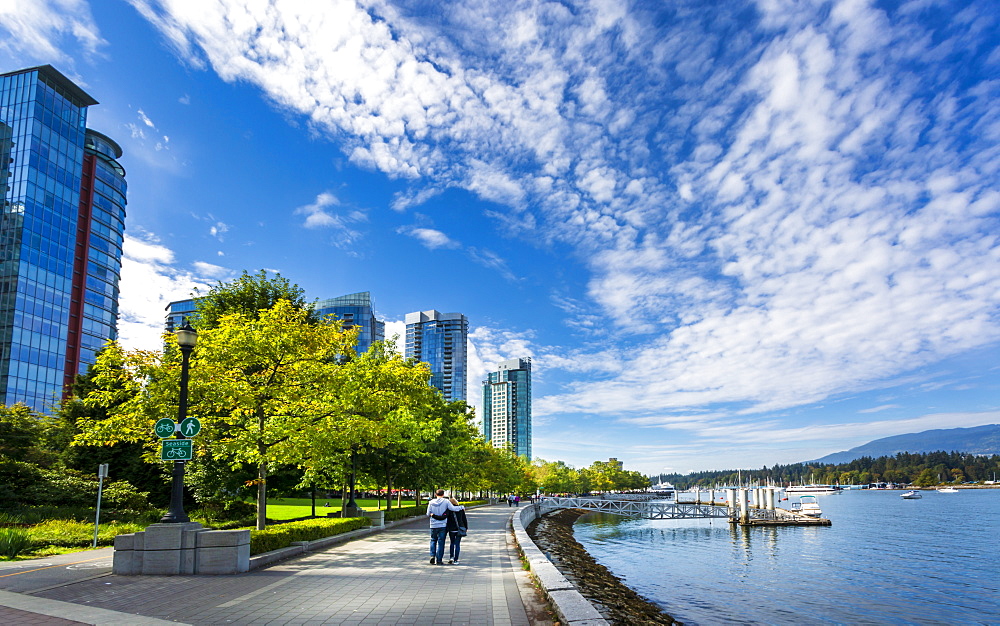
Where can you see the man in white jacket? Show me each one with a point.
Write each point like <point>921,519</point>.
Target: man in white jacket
<point>437,510</point>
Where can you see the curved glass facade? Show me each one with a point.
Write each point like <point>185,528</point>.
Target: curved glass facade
<point>355,310</point>
<point>42,287</point>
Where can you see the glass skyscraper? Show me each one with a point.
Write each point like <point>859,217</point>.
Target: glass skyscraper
<point>355,310</point>
<point>440,340</point>
<point>61,233</point>
<point>507,406</point>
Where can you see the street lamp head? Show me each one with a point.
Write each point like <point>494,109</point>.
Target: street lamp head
<point>187,337</point>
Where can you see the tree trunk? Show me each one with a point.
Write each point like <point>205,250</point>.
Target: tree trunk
<point>262,495</point>
<point>388,487</point>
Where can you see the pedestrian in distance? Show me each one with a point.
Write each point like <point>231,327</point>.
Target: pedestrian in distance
<point>437,510</point>
<point>458,526</point>
<point>517,500</point>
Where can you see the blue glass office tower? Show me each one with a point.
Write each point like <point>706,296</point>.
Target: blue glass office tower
<point>180,311</point>
<point>355,310</point>
<point>507,406</point>
<point>440,340</point>
<point>61,234</point>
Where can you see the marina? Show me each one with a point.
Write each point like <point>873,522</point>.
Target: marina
<point>884,560</point>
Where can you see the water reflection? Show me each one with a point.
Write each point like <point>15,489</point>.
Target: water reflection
<point>880,562</point>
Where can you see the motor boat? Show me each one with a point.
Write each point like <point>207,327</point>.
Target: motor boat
<point>664,490</point>
<point>947,490</point>
<point>807,505</point>
<point>911,495</point>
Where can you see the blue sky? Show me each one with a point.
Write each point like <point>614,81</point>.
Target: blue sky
<point>728,234</point>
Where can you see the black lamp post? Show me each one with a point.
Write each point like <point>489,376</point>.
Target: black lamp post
<point>187,337</point>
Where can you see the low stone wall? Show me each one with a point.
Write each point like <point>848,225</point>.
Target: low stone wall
<point>569,604</point>
<point>181,549</point>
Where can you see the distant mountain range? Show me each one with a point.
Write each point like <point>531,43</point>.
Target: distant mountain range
<point>976,440</point>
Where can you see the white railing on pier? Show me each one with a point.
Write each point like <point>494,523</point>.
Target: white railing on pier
<point>652,509</point>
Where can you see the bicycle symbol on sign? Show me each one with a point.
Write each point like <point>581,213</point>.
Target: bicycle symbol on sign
<point>164,428</point>
<point>176,453</point>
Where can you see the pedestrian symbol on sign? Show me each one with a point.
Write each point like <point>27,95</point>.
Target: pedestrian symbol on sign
<point>191,427</point>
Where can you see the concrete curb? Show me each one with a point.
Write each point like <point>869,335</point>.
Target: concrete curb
<point>76,612</point>
<point>264,559</point>
<point>569,604</point>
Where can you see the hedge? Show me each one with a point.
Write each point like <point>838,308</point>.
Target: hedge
<point>282,535</point>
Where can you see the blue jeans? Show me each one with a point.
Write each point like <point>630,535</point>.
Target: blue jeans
<point>437,542</point>
<point>455,546</point>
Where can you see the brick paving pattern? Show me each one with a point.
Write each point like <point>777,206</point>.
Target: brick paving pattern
<point>381,579</point>
<point>16,617</point>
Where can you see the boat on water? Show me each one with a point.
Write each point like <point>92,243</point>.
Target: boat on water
<point>813,490</point>
<point>947,490</point>
<point>807,505</point>
<point>911,495</point>
<point>664,490</point>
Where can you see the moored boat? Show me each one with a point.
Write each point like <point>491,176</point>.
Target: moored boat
<point>807,505</point>
<point>813,490</point>
<point>947,490</point>
<point>664,490</point>
<point>911,495</point>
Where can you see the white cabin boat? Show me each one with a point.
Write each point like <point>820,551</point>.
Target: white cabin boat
<point>813,490</point>
<point>947,490</point>
<point>664,490</point>
<point>911,495</point>
<point>807,505</point>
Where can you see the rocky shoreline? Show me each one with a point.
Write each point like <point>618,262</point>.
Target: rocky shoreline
<point>553,534</point>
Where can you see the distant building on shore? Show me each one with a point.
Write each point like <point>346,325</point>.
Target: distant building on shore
<point>507,406</point>
<point>440,340</point>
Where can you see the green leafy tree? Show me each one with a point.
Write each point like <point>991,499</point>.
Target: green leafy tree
<point>247,295</point>
<point>261,385</point>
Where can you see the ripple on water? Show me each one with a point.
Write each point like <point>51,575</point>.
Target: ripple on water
<point>884,560</point>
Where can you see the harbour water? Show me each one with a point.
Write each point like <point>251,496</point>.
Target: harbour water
<point>884,560</point>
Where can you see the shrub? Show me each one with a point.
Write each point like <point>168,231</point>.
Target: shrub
<point>407,511</point>
<point>70,534</point>
<point>282,535</point>
<point>13,541</point>
<point>122,494</point>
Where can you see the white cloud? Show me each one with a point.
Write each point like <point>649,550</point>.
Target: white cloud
<point>770,219</point>
<point>150,280</point>
<point>39,28</point>
<point>209,270</point>
<point>430,238</point>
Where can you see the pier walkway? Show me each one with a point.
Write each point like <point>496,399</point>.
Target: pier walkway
<point>382,578</point>
<point>648,506</point>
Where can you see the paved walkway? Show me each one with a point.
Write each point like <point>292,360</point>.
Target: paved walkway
<point>383,578</point>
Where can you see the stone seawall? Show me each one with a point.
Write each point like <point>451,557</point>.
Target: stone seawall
<point>565,571</point>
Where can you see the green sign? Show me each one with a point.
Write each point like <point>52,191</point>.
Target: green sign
<point>176,450</point>
<point>164,427</point>
<point>190,427</point>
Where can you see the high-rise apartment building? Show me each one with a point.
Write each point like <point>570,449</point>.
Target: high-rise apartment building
<point>61,233</point>
<point>440,340</point>
<point>355,310</point>
<point>507,406</point>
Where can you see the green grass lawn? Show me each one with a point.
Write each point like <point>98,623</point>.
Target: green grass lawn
<point>290,508</point>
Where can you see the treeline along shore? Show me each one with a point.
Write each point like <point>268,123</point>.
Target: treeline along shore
<point>922,469</point>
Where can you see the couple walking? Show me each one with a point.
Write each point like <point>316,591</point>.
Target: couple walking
<point>447,518</point>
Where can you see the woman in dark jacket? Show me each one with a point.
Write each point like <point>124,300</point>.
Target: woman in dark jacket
<point>457,525</point>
